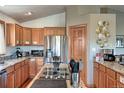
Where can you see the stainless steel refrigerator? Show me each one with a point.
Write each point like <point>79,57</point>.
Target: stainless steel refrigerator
<point>55,49</point>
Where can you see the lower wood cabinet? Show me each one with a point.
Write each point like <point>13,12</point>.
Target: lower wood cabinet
<point>17,75</point>
<point>10,77</point>
<point>35,65</point>
<point>102,78</point>
<point>105,77</point>
<point>96,79</point>
<point>110,82</point>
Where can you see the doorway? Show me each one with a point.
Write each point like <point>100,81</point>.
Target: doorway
<point>78,47</point>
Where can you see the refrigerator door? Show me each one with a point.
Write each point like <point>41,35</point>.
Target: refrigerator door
<point>55,48</point>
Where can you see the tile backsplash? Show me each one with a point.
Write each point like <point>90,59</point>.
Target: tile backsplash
<point>11,50</point>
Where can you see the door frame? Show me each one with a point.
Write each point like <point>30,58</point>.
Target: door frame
<point>69,47</point>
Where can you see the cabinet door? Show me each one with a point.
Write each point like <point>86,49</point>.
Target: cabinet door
<point>18,78</point>
<point>26,67</point>
<point>18,34</point>
<point>10,34</point>
<point>110,82</point>
<point>41,36</point>
<point>39,63</point>
<point>10,80</point>
<point>32,68</point>
<point>26,36</point>
<point>26,72</point>
<point>23,74</point>
<point>37,36</point>
<point>102,79</point>
<point>96,77</point>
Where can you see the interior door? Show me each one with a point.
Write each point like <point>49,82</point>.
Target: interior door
<point>78,49</point>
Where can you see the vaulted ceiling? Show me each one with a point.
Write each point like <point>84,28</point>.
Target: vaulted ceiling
<point>18,11</point>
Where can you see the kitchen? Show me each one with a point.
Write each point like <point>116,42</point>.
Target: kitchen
<point>27,57</point>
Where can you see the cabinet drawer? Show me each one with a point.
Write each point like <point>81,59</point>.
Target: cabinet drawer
<point>102,68</point>
<point>17,65</point>
<point>10,69</point>
<point>111,73</point>
<point>96,65</point>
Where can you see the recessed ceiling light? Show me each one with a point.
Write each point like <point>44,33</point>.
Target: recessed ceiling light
<point>28,13</point>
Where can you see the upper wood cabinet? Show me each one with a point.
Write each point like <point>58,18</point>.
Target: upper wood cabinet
<point>26,36</point>
<point>54,31</point>
<point>18,34</point>
<point>10,34</point>
<point>13,34</point>
<point>37,36</point>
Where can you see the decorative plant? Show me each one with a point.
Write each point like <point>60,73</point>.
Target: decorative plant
<point>102,33</point>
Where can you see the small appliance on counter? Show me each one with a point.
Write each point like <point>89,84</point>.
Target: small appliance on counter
<point>26,53</point>
<point>39,53</point>
<point>18,53</point>
<point>109,57</point>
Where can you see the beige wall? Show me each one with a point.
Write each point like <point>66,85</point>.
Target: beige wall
<point>57,20</point>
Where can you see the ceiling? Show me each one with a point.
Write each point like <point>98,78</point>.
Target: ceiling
<point>38,11</point>
<point>18,11</point>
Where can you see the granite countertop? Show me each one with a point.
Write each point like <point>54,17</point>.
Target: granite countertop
<point>114,66</point>
<point>14,61</point>
<point>11,62</point>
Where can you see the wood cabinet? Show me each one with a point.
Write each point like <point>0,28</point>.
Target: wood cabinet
<point>96,78</point>
<point>105,77</point>
<point>37,36</point>
<point>102,77</point>
<point>26,69</point>
<point>32,68</point>
<point>35,65</point>
<point>54,31</point>
<point>110,82</point>
<point>22,72</point>
<point>17,75</point>
<point>13,34</point>
<point>18,34</point>
<point>39,64</point>
<point>26,36</point>
<point>10,77</point>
